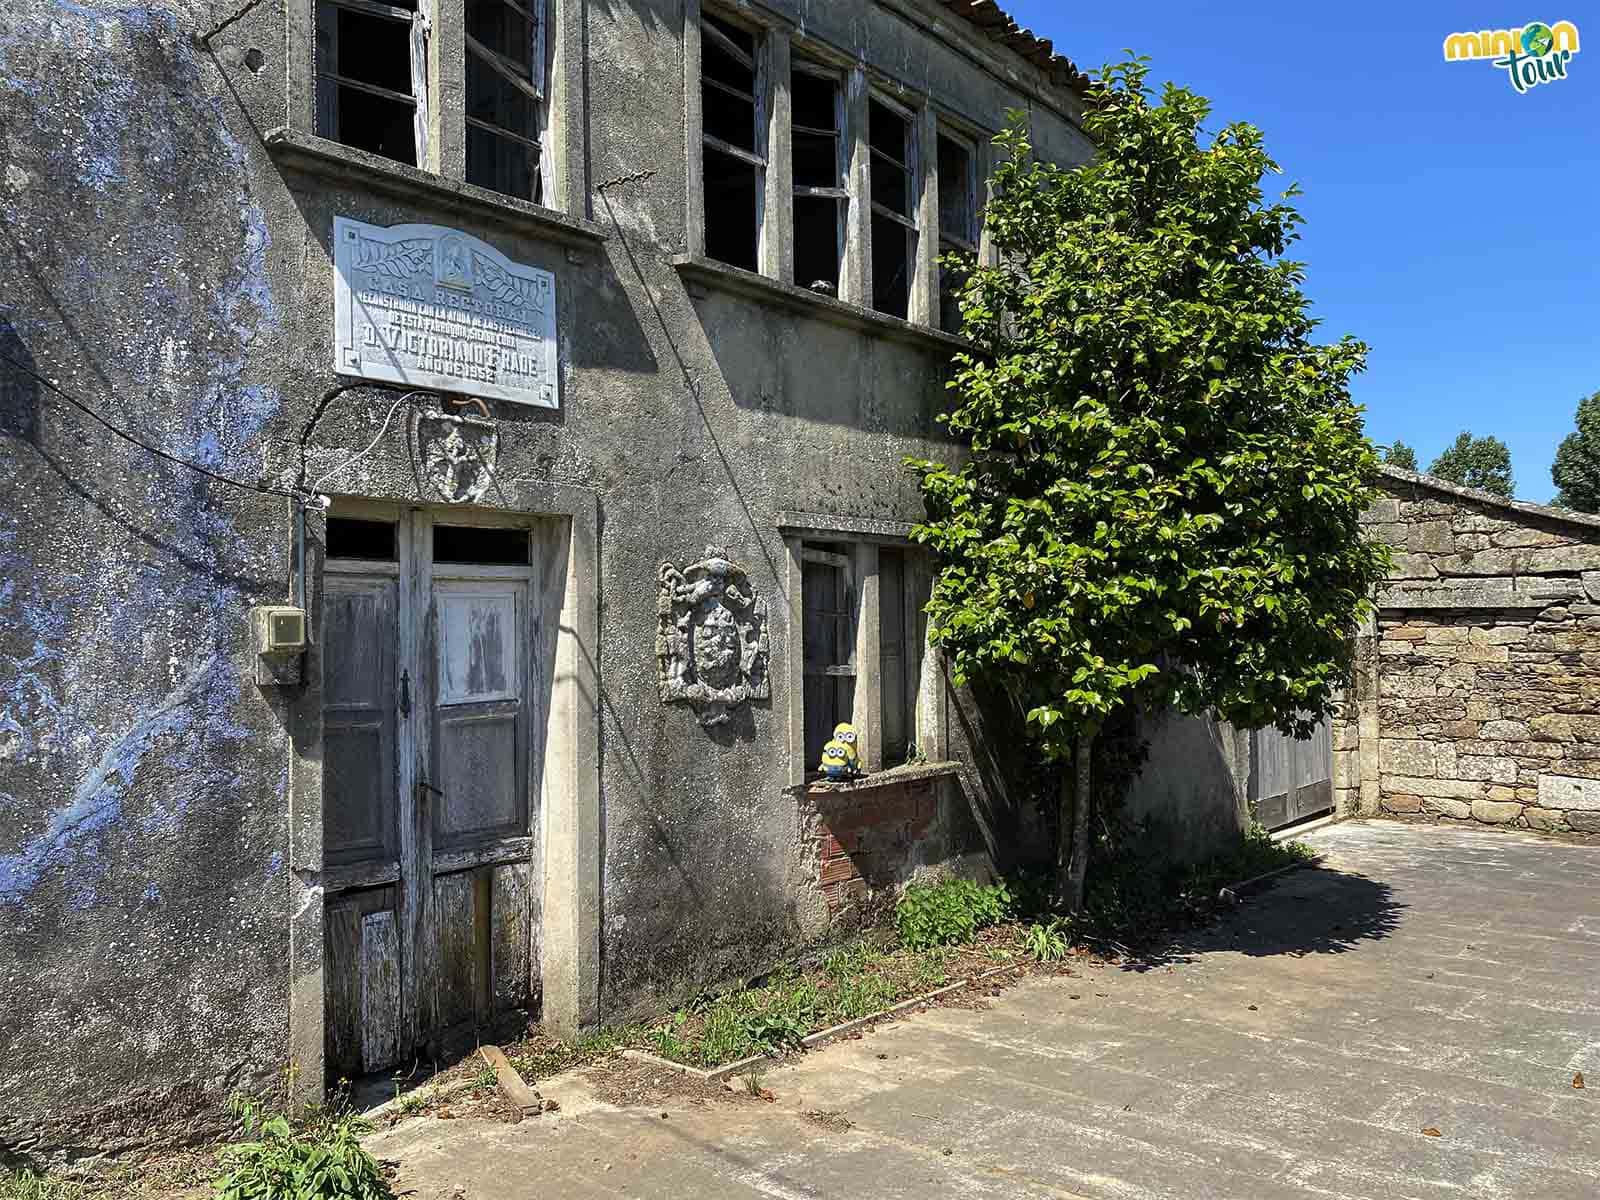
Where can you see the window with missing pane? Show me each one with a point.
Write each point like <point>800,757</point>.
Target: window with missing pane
<point>958,222</point>
<point>506,113</point>
<point>828,642</point>
<point>371,77</point>
<point>894,192</point>
<point>734,161</point>
<point>821,195</point>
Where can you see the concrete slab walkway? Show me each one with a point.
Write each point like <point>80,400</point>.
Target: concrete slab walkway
<point>1423,978</point>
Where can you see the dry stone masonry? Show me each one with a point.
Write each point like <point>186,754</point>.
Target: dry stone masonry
<point>1477,695</point>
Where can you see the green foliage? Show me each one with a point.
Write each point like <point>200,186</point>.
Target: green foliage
<point>1576,470</point>
<point>852,982</point>
<point>1482,463</point>
<point>321,1161</point>
<point>949,913</point>
<point>1046,941</point>
<point>1162,502</point>
<point>1402,456</point>
<point>26,1185</point>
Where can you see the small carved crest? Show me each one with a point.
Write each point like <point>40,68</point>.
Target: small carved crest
<point>455,455</point>
<point>711,637</point>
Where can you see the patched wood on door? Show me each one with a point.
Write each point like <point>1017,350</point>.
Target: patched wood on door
<point>362,983</point>
<point>482,920</point>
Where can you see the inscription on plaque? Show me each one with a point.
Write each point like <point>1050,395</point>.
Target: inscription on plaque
<point>429,307</point>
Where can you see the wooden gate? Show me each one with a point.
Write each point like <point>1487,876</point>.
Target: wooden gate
<point>1290,780</point>
<point>430,782</point>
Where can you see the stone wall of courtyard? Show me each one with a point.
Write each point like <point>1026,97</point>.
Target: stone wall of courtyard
<point>1477,697</point>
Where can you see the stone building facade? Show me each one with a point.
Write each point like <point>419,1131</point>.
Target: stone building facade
<point>1477,697</point>
<point>451,480</point>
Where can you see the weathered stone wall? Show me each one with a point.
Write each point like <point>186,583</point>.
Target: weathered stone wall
<point>1478,693</point>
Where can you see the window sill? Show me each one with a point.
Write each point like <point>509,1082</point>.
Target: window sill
<point>910,773</point>
<point>716,276</point>
<point>339,163</point>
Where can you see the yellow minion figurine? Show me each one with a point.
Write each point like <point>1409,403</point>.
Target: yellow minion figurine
<point>840,758</point>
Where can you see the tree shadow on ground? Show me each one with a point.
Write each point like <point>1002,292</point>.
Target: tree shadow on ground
<point>1315,910</point>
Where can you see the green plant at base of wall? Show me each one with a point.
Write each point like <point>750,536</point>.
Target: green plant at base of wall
<point>950,913</point>
<point>321,1161</point>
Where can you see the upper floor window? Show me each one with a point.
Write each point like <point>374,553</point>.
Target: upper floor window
<point>821,159</point>
<point>506,112</point>
<point>895,192</point>
<point>734,132</point>
<point>371,72</point>
<point>958,220</point>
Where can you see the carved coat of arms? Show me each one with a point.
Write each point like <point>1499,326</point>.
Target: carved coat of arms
<point>455,455</point>
<point>711,637</point>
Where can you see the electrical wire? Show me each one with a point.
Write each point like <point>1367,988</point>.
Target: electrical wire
<point>88,410</point>
<point>316,488</point>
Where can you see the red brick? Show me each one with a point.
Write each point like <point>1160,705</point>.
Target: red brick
<point>837,870</point>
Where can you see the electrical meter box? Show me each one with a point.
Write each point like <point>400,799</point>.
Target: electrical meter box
<point>279,630</point>
<point>279,636</point>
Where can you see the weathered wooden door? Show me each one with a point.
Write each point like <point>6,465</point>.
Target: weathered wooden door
<point>431,700</point>
<point>1290,779</point>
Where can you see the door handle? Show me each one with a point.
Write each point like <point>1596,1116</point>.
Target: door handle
<point>405,694</point>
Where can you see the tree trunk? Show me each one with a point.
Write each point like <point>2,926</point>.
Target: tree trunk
<point>1061,894</point>
<point>1081,816</point>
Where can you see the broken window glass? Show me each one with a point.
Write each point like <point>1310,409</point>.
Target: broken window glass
<point>821,197</point>
<point>894,207</point>
<point>734,159</point>
<point>371,69</point>
<point>505,96</point>
<point>958,223</point>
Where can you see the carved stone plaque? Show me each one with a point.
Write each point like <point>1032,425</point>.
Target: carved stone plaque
<point>429,307</point>
<point>711,638</point>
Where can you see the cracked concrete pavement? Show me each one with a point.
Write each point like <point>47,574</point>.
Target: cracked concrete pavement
<point>1422,978</point>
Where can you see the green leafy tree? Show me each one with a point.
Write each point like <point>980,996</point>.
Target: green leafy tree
<point>1576,471</point>
<point>1482,463</point>
<point>1160,507</point>
<point>1402,456</point>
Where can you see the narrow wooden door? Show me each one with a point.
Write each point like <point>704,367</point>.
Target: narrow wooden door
<point>431,690</point>
<point>482,815</point>
<point>364,1021</point>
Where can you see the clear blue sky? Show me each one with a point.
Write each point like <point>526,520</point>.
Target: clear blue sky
<point>1451,223</point>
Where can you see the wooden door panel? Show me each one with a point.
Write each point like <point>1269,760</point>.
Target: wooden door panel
<point>1290,778</point>
<point>361,1022</point>
<point>478,761</point>
<point>512,936</point>
<point>358,681</point>
<point>461,925</point>
<point>479,643</point>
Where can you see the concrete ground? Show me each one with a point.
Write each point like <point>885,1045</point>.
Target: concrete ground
<point>1423,978</point>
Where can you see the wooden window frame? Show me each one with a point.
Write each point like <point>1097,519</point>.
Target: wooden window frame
<point>858,553</point>
<point>539,14</point>
<point>421,26</point>
<point>843,195</point>
<point>760,63</point>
